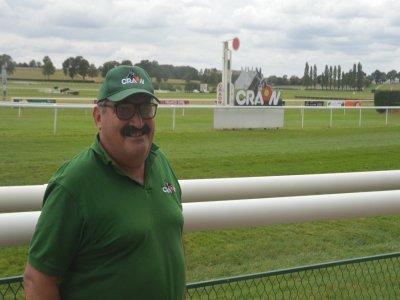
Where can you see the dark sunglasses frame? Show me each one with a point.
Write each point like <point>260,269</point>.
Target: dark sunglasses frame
<point>122,112</point>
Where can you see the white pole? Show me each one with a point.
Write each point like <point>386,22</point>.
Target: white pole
<point>198,190</point>
<point>225,72</point>
<point>17,228</point>
<point>284,210</point>
<point>387,110</point>
<point>29,198</point>
<point>21,198</point>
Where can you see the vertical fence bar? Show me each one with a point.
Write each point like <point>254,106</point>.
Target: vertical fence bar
<point>387,110</point>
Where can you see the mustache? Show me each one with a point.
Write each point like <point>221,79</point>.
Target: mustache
<point>129,130</point>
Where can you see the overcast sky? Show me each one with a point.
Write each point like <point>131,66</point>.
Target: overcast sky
<point>277,35</point>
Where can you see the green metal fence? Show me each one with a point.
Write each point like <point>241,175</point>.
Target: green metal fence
<point>374,277</point>
<point>11,288</point>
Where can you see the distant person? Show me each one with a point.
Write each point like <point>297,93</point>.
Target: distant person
<point>111,223</point>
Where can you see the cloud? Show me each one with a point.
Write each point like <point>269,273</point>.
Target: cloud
<point>278,36</point>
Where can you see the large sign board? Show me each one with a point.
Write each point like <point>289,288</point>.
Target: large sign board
<point>261,97</point>
<point>255,105</point>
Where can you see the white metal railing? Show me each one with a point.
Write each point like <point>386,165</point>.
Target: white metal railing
<point>57,106</point>
<point>240,202</point>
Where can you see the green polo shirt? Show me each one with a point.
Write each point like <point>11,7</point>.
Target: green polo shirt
<point>107,237</point>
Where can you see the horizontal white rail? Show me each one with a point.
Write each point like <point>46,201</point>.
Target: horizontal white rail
<point>257,212</point>
<point>194,106</point>
<point>17,228</point>
<point>92,99</point>
<point>29,198</point>
<point>57,106</point>
<point>292,185</point>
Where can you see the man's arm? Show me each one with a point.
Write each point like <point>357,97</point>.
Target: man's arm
<point>39,286</point>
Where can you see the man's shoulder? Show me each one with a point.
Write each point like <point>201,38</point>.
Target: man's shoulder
<point>77,167</point>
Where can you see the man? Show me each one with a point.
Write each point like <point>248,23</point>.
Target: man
<point>111,223</point>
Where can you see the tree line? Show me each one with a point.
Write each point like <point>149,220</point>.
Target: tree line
<point>79,66</point>
<point>334,78</point>
<point>331,78</point>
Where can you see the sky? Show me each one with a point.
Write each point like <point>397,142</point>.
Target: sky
<point>278,36</point>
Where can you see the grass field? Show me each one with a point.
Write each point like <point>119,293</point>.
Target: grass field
<point>30,153</point>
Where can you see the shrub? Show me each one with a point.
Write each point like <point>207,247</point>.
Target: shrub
<point>386,98</point>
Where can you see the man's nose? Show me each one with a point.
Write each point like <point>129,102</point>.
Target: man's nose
<point>136,120</point>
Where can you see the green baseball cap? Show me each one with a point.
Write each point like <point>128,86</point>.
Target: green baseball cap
<point>123,81</point>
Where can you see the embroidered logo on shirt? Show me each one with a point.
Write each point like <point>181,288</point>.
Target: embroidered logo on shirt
<point>168,188</point>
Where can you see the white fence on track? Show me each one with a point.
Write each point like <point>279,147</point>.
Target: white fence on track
<point>240,202</point>
<point>173,107</point>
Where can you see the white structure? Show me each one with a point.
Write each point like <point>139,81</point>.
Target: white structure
<point>240,202</point>
<point>250,83</point>
<point>260,117</point>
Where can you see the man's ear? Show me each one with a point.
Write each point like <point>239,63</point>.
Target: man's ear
<point>97,116</point>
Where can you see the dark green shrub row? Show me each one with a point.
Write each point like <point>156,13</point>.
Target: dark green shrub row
<point>386,98</point>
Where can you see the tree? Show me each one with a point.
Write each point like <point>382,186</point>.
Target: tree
<point>354,77</point>
<point>294,80</point>
<point>330,77</point>
<point>152,68</point>
<point>325,77</point>
<point>315,76</point>
<point>306,76</point>
<point>343,81</point>
<point>6,59</point>
<point>108,66</point>
<point>32,63</point>
<point>70,67</point>
<point>211,76</point>
<point>48,67</point>
<point>360,77</point>
<point>127,62</point>
<point>93,71</point>
<point>392,75</point>
<point>83,66</point>
<point>339,75</point>
<point>334,77</point>
<point>187,73</point>
<point>378,76</point>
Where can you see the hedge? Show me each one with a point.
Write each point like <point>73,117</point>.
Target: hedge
<point>386,98</point>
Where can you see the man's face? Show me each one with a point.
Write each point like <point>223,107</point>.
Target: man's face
<point>126,138</point>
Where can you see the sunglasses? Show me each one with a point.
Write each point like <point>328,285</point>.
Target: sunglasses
<point>126,111</point>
